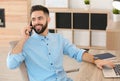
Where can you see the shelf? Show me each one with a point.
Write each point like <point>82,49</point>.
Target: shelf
<point>81,38</point>
<point>98,47</point>
<point>81,20</point>
<point>85,29</point>
<point>98,38</point>
<point>52,31</point>
<point>66,33</point>
<point>51,25</point>
<point>63,20</point>
<point>98,21</point>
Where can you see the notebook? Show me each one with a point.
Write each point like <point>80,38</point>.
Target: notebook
<point>109,72</point>
<point>105,56</point>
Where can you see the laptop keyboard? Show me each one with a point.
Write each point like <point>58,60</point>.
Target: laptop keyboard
<point>117,69</point>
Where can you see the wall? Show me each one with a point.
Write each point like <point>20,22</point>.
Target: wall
<point>95,4</point>
<point>99,4</point>
<point>15,17</point>
<point>15,12</point>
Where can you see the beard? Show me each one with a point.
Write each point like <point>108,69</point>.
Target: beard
<point>39,31</point>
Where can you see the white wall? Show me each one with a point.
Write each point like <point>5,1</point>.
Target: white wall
<point>36,2</point>
<point>99,4</point>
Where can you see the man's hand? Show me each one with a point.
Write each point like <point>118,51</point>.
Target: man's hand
<point>25,35</point>
<point>100,63</point>
<point>26,32</point>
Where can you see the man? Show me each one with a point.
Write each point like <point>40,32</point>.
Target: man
<point>43,51</point>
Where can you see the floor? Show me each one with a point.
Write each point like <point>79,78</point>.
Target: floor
<point>14,75</point>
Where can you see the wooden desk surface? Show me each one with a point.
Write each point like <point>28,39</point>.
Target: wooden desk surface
<point>89,72</point>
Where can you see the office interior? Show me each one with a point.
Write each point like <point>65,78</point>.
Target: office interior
<point>92,28</point>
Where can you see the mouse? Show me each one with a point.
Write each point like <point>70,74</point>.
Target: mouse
<point>107,67</point>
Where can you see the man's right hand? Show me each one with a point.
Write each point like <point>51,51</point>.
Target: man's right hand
<point>19,46</point>
<point>26,32</point>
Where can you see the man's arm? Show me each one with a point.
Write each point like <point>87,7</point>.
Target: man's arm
<point>16,56</point>
<point>88,57</point>
<point>19,46</point>
<point>99,63</point>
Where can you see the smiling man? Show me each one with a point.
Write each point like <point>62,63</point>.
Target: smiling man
<point>43,52</point>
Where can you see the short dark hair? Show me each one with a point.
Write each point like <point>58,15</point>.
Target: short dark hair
<point>39,8</point>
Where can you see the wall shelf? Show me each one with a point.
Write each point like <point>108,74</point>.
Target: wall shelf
<point>85,29</point>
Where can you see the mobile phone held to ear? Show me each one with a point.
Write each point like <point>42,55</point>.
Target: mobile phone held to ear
<point>30,33</point>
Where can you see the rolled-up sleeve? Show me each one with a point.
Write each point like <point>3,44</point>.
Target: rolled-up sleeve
<point>73,51</point>
<point>14,60</point>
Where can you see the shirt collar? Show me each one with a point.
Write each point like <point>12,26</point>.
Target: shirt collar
<point>41,36</point>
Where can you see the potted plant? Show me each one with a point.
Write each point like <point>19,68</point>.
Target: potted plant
<point>87,4</point>
<point>116,15</point>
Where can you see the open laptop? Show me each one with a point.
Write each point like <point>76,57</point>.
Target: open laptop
<point>107,71</point>
<point>114,72</point>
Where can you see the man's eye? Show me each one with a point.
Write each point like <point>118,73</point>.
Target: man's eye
<point>40,18</point>
<point>33,19</point>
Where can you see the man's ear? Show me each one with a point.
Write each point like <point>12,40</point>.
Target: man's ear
<point>49,19</point>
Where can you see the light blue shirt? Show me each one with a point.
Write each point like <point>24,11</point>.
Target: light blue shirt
<point>43,56</point>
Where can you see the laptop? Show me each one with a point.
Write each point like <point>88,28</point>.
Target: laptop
<point>110,72</point>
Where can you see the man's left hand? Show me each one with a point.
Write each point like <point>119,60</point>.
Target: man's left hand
<point>100,63</point>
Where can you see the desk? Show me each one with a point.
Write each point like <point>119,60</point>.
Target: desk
<point>89,72</point>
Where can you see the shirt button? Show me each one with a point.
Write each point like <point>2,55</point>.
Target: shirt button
<point>56,78</point>
<point>51,63</point>
<point>49,53</point>
<point>47,44</point>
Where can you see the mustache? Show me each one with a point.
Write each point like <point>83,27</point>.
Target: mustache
<point>38,25</point>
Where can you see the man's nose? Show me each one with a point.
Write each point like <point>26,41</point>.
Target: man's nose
<point>36,22</point>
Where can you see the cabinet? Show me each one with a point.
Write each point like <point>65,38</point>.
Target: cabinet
<point>113,38</point>
<point>86,29</point>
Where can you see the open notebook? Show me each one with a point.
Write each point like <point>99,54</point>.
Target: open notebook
<point>110,72</point>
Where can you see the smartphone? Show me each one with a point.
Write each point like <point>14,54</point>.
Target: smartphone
<point>30,33</point>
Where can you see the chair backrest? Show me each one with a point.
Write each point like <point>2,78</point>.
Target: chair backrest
<point>23,71</point>
<point>22,67</point>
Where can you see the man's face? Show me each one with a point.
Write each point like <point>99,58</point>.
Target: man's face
<point>38,30</point>
<point>39,21</point>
